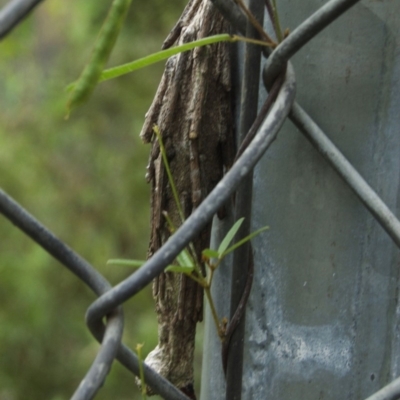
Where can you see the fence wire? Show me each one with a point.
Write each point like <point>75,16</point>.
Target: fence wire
<point>110,299</point>
<point>13,13</point>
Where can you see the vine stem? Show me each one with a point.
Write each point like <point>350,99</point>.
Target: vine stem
<point>213,311</point>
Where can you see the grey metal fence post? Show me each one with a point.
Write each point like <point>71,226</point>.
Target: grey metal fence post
<point>323,317</point>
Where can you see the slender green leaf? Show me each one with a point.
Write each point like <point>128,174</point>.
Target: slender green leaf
<point>153,58</point>
<point>183,269</point>
<point>210,253</point>
<point>244,240</point>
<point>229,236</point>
<point>127,263</point>
<point>184,259</point>
<point>162,55</point>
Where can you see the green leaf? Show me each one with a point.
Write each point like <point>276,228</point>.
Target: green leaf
<point>183,269</point>
<point>162,55</point>
<point>124,69</point>
<point>185,260</point>
<point>229,236</point>
<point>244,240</point>
<point>127,263</point>
<point>210,253</point>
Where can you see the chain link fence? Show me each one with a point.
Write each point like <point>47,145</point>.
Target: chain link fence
<point>105,317</point>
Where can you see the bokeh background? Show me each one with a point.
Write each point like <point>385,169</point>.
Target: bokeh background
<point>84,179</point>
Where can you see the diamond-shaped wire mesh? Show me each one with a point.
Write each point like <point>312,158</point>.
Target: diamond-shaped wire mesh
<point>111,298</point>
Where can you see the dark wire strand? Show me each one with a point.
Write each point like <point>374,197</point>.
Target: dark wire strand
<point>224,189</point>
<point>302,35</point>
<point>84,271</point>
<point>375,205</point>
<point>109,335</point>
<point>192,226</point>
<point>108,304</point>
<point>13,13</point>
<point>388,392</point>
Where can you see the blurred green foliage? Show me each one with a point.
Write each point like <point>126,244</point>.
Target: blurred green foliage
<point>84,179</point>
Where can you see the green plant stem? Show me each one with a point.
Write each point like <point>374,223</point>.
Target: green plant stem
<point>210,278</point>
<point>200,280</point>
<point>214,314</point>
<point>170,178</point>
<point>277,23</point>
<point>171,181</point>
<point>160,56</point>
<point>214,267</point>
<point>103,46</point>
<point>255,23</point>
<point>141,372</point>
<point>197,268</point>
